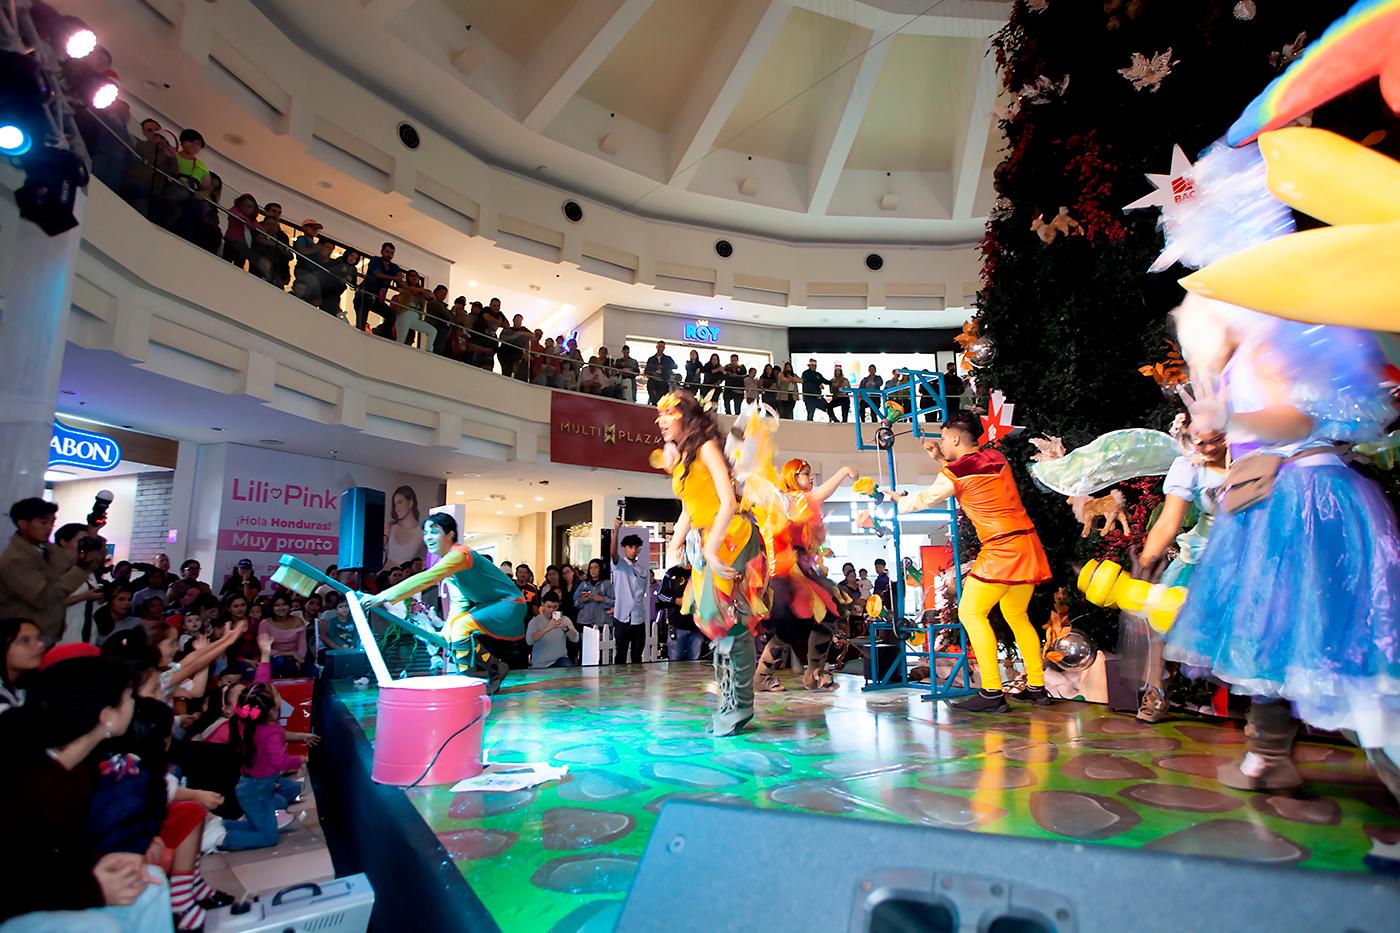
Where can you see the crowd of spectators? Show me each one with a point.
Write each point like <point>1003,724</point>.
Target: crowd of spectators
<point>139,705</point>
<point>162,176</point>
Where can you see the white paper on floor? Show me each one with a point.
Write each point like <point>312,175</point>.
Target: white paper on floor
<point>506,776</point>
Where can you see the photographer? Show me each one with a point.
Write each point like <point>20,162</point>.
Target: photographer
<point>37,576</point>
<point>76,540</point>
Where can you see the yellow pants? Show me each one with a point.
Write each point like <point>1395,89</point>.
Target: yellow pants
<point>978,598</point>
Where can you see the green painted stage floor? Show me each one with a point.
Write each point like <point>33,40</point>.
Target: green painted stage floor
<point>562,855</point>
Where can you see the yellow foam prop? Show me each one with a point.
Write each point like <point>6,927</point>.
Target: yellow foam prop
<point>1163,605</point>
<point>1348,276</point>
<point>1330,177</point>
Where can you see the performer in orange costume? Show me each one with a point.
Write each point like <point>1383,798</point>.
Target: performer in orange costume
<point>800,595</point>
<point>1009,565</point>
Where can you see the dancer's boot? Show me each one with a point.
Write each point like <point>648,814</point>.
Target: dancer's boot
<point>1153,707</point>
<point>1267,763</point>
<point>817,677</point>
<point>734,672</point>
<point>765,675</point>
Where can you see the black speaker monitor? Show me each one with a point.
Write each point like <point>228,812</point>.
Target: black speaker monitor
<point>361,529</point>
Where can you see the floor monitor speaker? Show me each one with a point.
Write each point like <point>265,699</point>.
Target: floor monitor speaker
<point>746,869</point>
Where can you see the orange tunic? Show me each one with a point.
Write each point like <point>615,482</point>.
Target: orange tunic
<point>1011,550</point>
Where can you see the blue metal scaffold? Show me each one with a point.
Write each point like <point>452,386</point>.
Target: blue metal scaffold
<point>922,396</point>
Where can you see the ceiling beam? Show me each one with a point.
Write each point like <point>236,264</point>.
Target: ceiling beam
<point>382,11</point>
<point>958,19</point>
<point>970,145</point>
<point>728,69</point>
<point>572,52</point>
<point>849,95</point>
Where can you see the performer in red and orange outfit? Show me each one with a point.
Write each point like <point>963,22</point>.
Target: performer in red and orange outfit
<point>1009,565</point>
<point>800,595</point>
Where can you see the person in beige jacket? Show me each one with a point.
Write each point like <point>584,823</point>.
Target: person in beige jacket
<point>36,576</point>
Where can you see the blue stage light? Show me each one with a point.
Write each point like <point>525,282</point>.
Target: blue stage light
<point>14,140</point>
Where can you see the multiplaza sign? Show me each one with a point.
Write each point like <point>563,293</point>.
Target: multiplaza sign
<point>86,449</point>
<point>586,430</point>
<point>609,433</point>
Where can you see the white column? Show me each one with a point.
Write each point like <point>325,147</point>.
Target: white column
<point>38,287</point>
<point>182,517</point>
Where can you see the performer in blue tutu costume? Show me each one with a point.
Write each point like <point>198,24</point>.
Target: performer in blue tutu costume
<point>1193,481</point>
<point>1295,600</point>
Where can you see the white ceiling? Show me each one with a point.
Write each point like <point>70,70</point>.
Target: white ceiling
<point>782,83</point>
<point>916,117</point>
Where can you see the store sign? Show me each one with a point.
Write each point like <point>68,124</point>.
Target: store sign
<point>702,332</point>
<point>589,431</point>
<point>277,503</point>
<point>86,449</point>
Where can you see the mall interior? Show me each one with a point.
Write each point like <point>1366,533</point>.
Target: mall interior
<point>359,361</point>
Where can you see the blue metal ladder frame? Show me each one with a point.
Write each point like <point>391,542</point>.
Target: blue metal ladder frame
<point>922,395</point>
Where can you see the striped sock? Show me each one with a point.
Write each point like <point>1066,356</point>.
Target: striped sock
<point>202,888</point>
<point>189,914</point>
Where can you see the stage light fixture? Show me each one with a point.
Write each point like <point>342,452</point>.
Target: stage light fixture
<point>23,92</point>
<point>14,140</point>
<point>68,33</point>
<point>97,91</point>
<point>79,40</point>
<point>50,189</point>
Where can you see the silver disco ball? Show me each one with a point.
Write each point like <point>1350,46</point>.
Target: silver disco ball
<point>1078,651</point>
<point>982,352</point>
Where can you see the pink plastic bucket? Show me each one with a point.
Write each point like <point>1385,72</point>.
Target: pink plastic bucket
<point>423,717</point>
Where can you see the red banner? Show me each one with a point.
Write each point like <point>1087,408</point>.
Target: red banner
<point>591,431</point>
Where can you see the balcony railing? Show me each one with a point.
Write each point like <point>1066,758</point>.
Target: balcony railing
<point>315,269</point>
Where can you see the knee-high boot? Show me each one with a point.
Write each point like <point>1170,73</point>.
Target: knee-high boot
<point>734,670</point>
<point>817,677</point>
<point>1267,764</point>
<point>765,675</point>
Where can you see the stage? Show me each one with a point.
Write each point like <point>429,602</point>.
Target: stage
<point>561,857</point>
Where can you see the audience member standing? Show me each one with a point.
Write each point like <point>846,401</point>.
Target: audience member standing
<point>952,388</point>
<point>630,588</point>
<point>840,395</point>
<point>788,388</point>
<point>627,370</point>
<point>734,375</point>
<point>812,384</point>
<point>684,640</point>
<point>381,275</point>
<point>514,340</point>
<point>872,380</point>
<point>238,238</point>
<point>272,251</point>
<point>37,576</point>
<point>693,370</point>
<point>660,370</point>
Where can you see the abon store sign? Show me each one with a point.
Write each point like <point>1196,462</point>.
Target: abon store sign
<point>86,449</point>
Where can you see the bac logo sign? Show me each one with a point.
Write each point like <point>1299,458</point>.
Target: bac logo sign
<point>702,331</point>
<point>72,447</point>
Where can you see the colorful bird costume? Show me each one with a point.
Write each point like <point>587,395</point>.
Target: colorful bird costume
<point>728,611</point>
<point>1009,565</point>
<point>801,597</point>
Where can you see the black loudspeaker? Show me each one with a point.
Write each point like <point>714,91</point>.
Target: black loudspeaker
<point>361,529</point>
<point>899,879</point>
<point>886,656</point>
<point>345,664</point>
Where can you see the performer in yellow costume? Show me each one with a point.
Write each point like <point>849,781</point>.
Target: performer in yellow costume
<point>802,598</point>
<point>727,557</point>
<point>1009,565</point>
